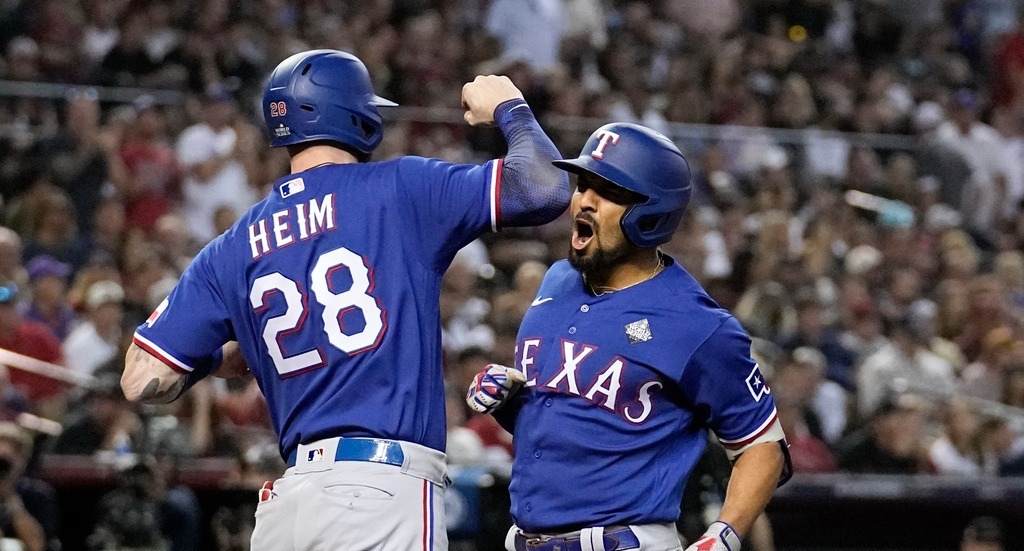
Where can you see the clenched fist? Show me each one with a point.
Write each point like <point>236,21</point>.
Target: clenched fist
<point>484,94</point>
<point>493,386</point>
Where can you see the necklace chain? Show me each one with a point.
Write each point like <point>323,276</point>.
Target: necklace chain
<point>600,290</point>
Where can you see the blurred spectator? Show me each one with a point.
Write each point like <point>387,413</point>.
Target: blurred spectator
<point>95,341</point>
<point>104,421</point>
<point>152,177</point>
<point>11,269</point>
<point>54,233</point>
<point>825,399</point>
<point>48,281</point>
<point>957,451</point>
<point>810,454</point>
<point>982,534</point>
<point>891,442</point>
<point>904,361</point>
<point>984,377</point>
<point>811,331</point>
<point>76,158</point>
<point>208,152</point>
<point>28,507</point>
<point>31,339</point>
<point>530,30</point>
<point>980,145</point>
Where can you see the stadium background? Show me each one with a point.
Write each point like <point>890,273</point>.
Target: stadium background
<point>859,171</point>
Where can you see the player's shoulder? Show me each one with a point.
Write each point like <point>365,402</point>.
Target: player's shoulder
<point>559,275</point>
<point>688,295</point>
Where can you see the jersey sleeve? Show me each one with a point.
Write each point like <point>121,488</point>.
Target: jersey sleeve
<point>729,392</point>
<point>448,205</point>
<point>190,326</point>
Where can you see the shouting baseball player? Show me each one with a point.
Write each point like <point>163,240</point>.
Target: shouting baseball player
<point>624,362</point>
<point>331,287</point>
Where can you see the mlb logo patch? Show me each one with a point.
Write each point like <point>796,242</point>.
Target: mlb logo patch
<point>291,187</point>
<point>314,455</point>
<point>756,384</point>
<point>639,331</point>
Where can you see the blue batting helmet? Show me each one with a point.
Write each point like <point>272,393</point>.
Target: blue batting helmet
<point>323,95</point>
<point>645,162</point>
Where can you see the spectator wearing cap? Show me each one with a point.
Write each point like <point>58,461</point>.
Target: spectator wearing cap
<point>980,146</point>
<point>54,231</point>
<point>904,361</point>
<point>891,442</point>
<point>209,152</point>
<point>48,280</point>
<point>30,339</point>
<point>826,399</point>
<point>982,534</point>
<point>811,331</point>
<point>95,341</point>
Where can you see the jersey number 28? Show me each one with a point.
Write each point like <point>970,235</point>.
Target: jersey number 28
<point>335,306</point>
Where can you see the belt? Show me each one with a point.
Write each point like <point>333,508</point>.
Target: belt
<point>615,540</point>
<point>360,449</point>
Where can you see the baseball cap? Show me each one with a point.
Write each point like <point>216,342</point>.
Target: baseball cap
<point>8,292</point>
<point>965,98</point>
<point>103,292</point>
<point>46,265</point>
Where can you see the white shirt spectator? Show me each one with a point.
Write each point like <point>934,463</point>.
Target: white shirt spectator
<point>880,370</point>
<point>530,30</point>
<point>982,148</point>
<point>85,350</point>
<point>200,143</point>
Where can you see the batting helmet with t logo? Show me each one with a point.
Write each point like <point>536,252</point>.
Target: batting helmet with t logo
<point>645,162</point>
<point>323,95</point>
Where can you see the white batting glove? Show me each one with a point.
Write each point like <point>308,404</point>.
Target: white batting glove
<point>718,537</point>
<point>493,386</point>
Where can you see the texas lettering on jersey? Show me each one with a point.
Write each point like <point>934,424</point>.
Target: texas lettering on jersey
<point>606,385</point>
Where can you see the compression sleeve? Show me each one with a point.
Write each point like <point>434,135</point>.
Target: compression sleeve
<point>532,191</point>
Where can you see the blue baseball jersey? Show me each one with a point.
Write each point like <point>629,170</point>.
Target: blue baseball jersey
<point>331,287</point>
<point>621,390</point>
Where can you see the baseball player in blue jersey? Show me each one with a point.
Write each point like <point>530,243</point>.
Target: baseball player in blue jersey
<point>331,286</point>
<point>623,364</point>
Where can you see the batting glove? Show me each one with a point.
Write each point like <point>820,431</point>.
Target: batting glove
<point>718,537</point>
<point>493,386</point>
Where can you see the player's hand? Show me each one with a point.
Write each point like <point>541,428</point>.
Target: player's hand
<point>718,537</point>
<point>484,94</point>
<point>493,386</point>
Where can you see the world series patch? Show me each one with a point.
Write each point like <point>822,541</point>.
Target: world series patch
<point>639,331</point>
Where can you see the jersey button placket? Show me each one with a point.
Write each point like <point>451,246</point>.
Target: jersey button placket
<point>537,454</point>
<point>585,308</point>
<point>572,330</point>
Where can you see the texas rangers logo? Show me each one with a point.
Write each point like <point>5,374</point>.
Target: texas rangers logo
<point>756,384</point>
<point>604,138</point>
<point>315,455</point>
<point>639,331</point>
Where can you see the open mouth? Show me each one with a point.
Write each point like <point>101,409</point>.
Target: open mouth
<point>582,233</point>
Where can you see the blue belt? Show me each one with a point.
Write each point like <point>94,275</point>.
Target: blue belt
<point>362,449</point>
<point>615,540</point>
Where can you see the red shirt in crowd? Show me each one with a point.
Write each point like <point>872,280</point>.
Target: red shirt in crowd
<point>37,341</point>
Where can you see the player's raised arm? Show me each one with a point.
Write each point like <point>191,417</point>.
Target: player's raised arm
<point>532,190</point>
<point>147,379</point>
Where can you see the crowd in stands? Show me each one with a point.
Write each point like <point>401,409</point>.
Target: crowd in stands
<point>874,255</point>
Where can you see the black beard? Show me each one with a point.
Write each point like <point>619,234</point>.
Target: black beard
<point>596,267</point>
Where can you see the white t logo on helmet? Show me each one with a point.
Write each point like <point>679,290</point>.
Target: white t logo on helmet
<point>604,138</point>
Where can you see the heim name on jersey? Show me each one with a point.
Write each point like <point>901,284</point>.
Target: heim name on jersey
<point>310,219</point>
